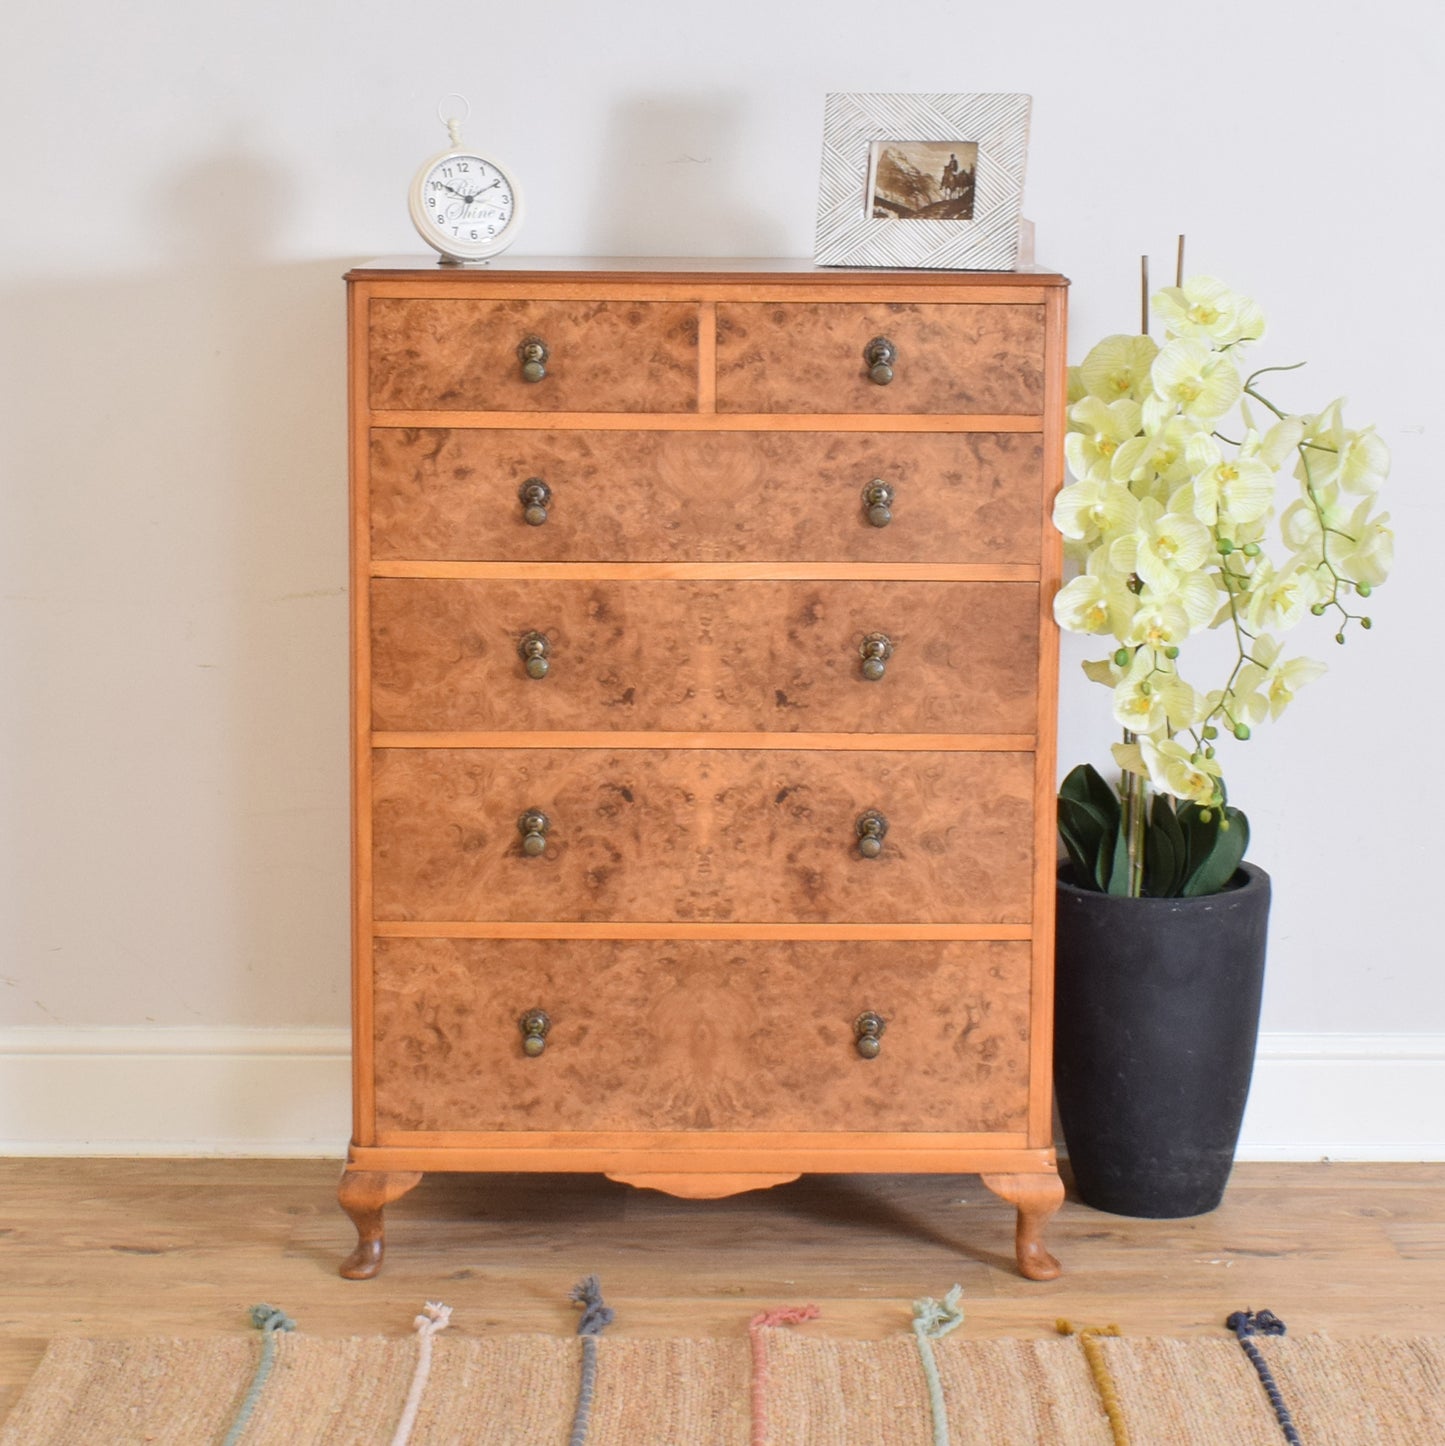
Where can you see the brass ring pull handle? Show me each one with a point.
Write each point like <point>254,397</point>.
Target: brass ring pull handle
<point>871,829</point>
<point>881,356</point>
<point>536,498</point>
<point>533,826</point>
<point>534,1025</point>
<point>875,650</point>
<point>878,502</point>
<point>533,650</point>
<point>868,1031</point>
<point>533,354</point>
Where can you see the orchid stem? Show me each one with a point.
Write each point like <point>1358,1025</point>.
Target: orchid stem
<point>1134,827</point>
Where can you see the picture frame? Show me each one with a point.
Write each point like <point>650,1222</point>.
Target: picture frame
<point>932,181</point>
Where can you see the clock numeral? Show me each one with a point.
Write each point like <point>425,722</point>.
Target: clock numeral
<point>431,200</point>
<point>463,166</point>
<point>505,200</point>
<point>491,230</point>
<point>474,235</point>
<point>447,172</point>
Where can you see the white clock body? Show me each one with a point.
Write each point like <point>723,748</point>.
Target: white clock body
<point>465,206</point>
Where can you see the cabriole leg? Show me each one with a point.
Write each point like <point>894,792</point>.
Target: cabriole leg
<point>364,1194</point>
<point>1037,1197</point>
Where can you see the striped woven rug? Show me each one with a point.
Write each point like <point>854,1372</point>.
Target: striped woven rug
<point>785,1386</point>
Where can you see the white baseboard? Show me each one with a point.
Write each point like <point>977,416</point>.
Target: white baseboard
<point>182,1091</point>
<point>287,1092</point>
<point>1346,1097</point>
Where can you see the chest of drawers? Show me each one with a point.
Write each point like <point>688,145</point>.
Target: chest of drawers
<point>703,726</point>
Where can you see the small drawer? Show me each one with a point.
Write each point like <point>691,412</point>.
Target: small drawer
<point>601,356</point>
<point>653,835</point>
<point>812,357</point>
<point>700,1035</point>
<point>458,494</point>
<point>499,655</point>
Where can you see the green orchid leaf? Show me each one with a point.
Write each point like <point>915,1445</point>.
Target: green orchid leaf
<point>1223,859</point>
<point>1161,863</point>
<point>1166,851</point>
<point>1086,784</point>
<point>1118,883</point>
<point>1082,844</point>
<point>1086,836</point>
<point>1199,836</point>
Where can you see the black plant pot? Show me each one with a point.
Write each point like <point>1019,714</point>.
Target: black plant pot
<point>1155,1021</point>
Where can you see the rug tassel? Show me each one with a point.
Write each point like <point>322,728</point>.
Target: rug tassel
<point>933,1319</point>
<point>597,1315</point>
<point>1099,1369</point>
<point>782,1315</point>
<point>434,1317</point>
<point>1246,1324</point>
<point>268,1320</point>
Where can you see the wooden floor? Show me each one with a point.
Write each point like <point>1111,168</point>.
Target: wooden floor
<point>185,1247</point>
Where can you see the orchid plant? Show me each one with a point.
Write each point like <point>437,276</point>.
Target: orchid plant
<point>1176,456</point>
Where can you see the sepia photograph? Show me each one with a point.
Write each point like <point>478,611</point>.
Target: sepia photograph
<point>922,180</point>
<point>898,157</point>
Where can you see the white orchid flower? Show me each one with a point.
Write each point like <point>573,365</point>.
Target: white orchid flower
<point>1332,454</point>
<point>1206,310</point>
<point>1163,548</point>
<point>1369,554</point>
<point>1095,508</point>
<point>1117,367</point>
<point>1150,697</point>
<point>1278,599</point>
<point>1180,771</point>
<point>1228,490</point>
<point>1190,378</point>
<point>1267,684</point>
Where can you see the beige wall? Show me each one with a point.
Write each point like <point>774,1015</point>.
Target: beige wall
<point>185,184</point>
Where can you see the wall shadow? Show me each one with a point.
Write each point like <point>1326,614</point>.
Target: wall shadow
<point>673,181</point>
<point>175,618</point>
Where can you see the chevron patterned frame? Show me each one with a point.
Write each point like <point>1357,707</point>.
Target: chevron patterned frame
<point>848,235</point>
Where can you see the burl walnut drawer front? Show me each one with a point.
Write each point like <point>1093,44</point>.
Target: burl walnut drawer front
<point>660,835</point>
<point>457,494</point>
<point>810,357</point>
<point>601,356</point>
<point>683,656</point>
<point>700,1036</point>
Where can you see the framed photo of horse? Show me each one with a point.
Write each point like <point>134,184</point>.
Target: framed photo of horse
<point>934,181</point>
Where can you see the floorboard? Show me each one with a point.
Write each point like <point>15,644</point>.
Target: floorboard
<point>185,1247</point>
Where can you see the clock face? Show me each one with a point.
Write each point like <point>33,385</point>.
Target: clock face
<point>465,205</point>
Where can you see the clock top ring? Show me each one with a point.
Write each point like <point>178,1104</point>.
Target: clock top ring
<point>466,206</point>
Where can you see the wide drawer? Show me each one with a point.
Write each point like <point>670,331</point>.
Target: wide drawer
<point>809,357</point>
<point>685,656</point>
<point>653,835</point>
<point>700,1035</point>
<point>670,496</point>
<point>603,356</point>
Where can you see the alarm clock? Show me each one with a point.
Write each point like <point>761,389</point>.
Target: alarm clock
<point>466,206</point>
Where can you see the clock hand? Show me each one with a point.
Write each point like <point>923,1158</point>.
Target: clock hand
<point>481,190</point>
